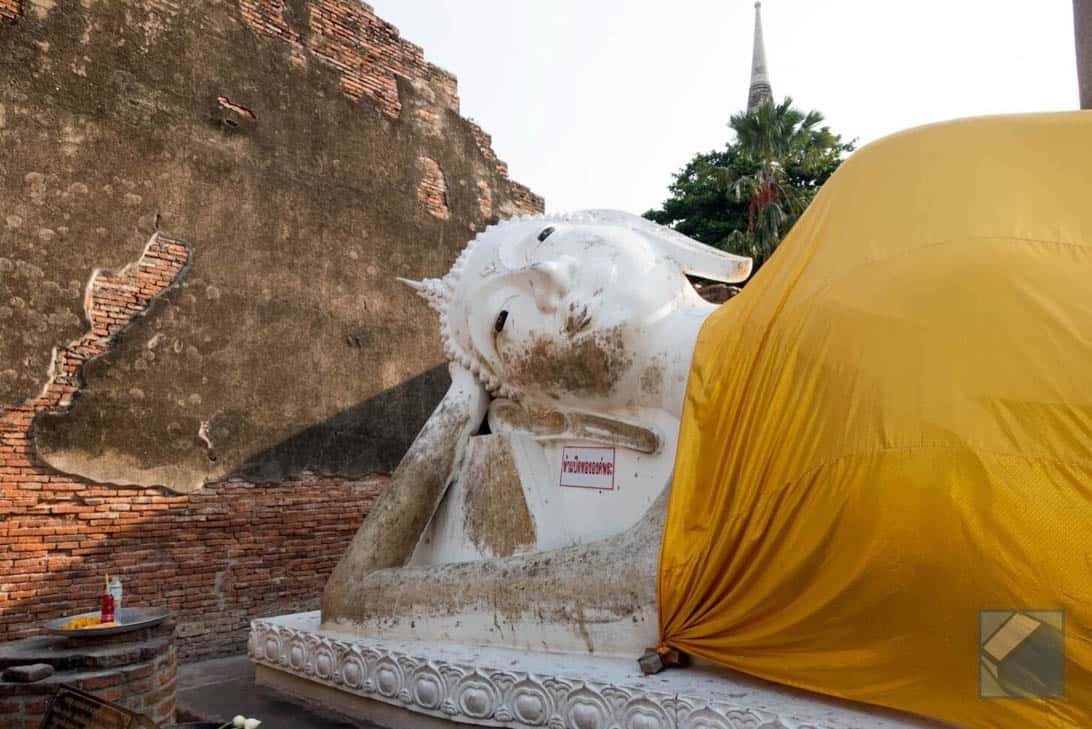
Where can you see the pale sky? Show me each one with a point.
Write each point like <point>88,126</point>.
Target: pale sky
<point>595,103</point>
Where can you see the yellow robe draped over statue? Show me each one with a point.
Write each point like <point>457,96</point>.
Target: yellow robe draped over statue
<point>886,447</point>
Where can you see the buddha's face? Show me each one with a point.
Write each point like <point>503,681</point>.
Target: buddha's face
<point>563,311</point>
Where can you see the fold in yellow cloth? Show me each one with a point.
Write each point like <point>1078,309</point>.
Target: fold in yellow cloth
<point>890,431</point>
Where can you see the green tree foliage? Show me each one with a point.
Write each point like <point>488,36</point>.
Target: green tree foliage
<point>746,197</point>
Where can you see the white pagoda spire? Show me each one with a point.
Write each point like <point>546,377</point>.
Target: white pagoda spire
<point>760,78</point>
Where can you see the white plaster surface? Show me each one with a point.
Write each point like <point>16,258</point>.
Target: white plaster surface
<point>561,284</point>
<point>510,688</point>
<point>582,328</point>
<point>562,515</point>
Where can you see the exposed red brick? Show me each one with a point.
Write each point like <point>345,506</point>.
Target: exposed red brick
<point>485,199</point>
<point>526,202</point>
<point>140,677</point>
<point>485,145</point>
<point>233,550</point>
<point>218,557</point>
<point>432,188</point>
<point>238,109</point>
<point>370,54</point>
<point>429,119</point>
<point>10,9</point>
<point>367,50</point>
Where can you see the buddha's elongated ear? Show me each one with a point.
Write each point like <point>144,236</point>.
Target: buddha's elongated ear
<point>694,258</point>
<point>433,290</point>
<point>698,259</point>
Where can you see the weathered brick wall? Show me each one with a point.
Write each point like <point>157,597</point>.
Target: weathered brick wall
<point>484,140</point>
<point>219,557</point>
<point>525,200</point>
<point>369,53</point>
<point>391,180</point>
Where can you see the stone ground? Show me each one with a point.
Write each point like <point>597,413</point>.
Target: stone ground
<point>218,689</point>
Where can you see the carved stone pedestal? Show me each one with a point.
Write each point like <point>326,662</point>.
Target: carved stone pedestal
<point>389,682</point>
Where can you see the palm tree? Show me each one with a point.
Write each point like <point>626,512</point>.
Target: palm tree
<point>745,197</point>
<point>782,147</point>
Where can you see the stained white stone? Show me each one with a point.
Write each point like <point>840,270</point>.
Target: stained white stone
<point>501,687</point>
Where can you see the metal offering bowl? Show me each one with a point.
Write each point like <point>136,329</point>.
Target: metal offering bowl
<point>127,619</point>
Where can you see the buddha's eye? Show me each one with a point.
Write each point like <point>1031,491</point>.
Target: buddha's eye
<point>545,233</point>
<point>501,319</point>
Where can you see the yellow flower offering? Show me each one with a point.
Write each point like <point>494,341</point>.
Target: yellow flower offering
<point>85,623</point>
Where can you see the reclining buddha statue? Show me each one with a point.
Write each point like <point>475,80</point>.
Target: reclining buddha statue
<point>570,338</point>
<point>868,475</point>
